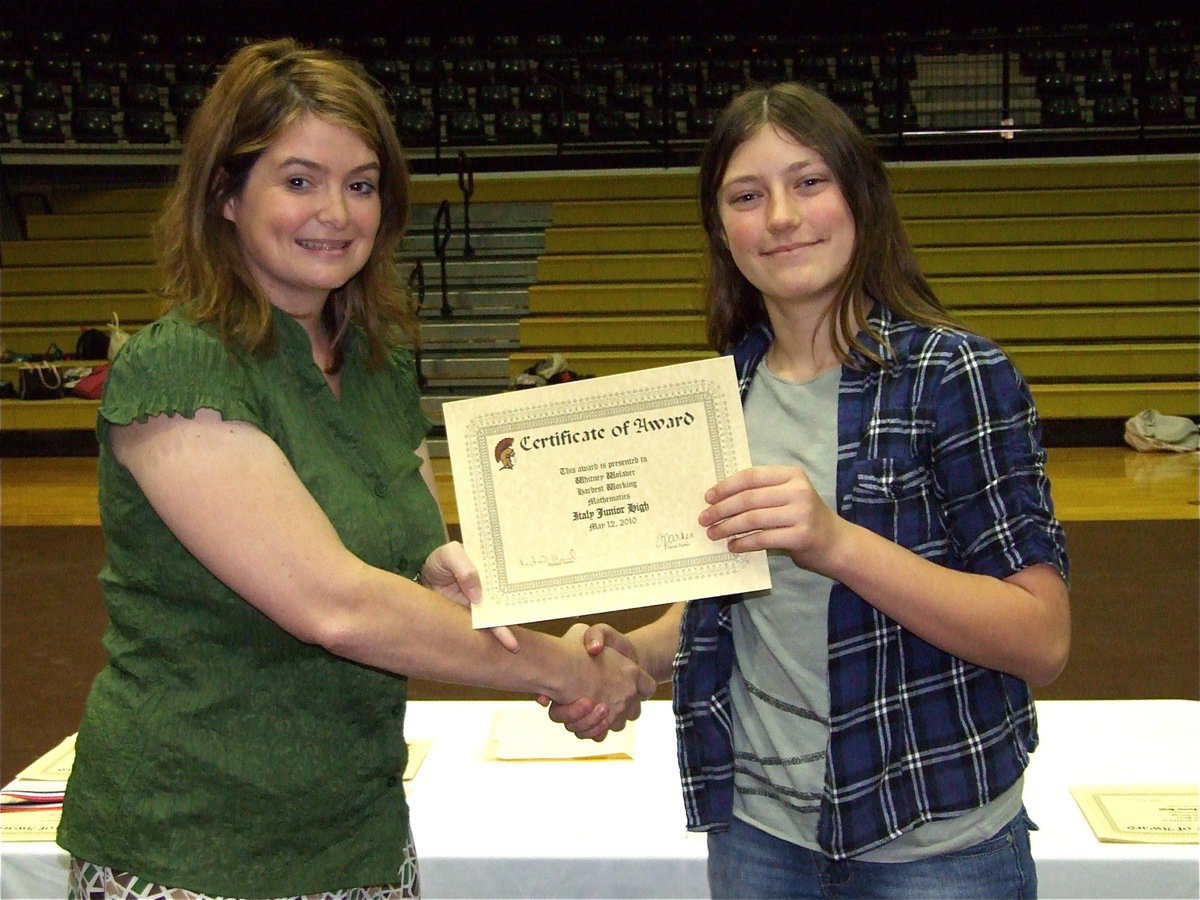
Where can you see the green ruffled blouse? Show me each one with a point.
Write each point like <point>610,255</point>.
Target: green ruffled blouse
<point>217,752</point>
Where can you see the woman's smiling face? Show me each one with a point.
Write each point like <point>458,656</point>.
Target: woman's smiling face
<point>308,213</point>
<point>785,221</point>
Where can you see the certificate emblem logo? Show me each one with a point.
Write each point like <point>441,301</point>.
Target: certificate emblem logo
<point>505,452</point>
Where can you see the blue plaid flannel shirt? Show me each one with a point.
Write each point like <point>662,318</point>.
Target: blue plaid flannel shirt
<point>940,452</point>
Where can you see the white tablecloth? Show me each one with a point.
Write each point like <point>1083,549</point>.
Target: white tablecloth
<point>614,828</point>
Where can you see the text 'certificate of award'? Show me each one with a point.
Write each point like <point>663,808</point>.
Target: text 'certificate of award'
<point>583,497</point>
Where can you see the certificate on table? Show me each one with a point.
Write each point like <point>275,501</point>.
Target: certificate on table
<point>29,826</point>
<point>1140,814</point>
<point>583,497</point>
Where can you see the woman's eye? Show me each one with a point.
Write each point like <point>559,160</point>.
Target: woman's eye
<point>297,182</point>
<point>363,187</point>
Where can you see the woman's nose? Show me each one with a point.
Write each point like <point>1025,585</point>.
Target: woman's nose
<point>334,209</point>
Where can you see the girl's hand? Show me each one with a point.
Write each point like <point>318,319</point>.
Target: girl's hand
<point>772,508</point>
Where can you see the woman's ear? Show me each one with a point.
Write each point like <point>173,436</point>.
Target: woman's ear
<point>220,182</point>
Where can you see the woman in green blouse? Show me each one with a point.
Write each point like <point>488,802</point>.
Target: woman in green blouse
<point>276,558</point>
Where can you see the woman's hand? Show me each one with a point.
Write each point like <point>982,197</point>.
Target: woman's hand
<point>772,508</point>
<point>449,571</point>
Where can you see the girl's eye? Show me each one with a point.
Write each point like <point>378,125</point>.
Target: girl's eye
<point>297,182</point>
<point>744,197</point>
<point>363,187</point>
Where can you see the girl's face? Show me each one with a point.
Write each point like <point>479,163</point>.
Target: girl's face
<point>308,213</point>
<point>785,220</point>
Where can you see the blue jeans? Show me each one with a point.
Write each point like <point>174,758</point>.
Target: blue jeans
<point>747,862</point>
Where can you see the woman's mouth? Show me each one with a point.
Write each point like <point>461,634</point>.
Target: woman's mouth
<point>308,244</point>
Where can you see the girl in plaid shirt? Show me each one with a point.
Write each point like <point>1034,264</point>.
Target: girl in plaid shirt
<point>862,728</point>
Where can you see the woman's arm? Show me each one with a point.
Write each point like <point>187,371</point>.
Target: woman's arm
<point>231,497</point>
<point>1020,624</point>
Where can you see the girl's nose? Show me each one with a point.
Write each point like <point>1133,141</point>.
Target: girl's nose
<point>781,211</point>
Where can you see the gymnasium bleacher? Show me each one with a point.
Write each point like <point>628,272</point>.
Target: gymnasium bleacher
<point>1045,157</point>
<point>1079,269</point>
<point>1048,177</point>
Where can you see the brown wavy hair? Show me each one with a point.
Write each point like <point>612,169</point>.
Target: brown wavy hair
<point>263,89</point>
<point>882,266</point>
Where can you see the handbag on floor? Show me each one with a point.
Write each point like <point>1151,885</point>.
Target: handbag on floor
<point>91,385</point>
<point>40,381</point>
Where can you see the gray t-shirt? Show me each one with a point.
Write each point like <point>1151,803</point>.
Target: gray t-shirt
<point>780,683</point>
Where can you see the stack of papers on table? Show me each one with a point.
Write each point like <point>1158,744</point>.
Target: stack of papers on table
<point>31,805</point>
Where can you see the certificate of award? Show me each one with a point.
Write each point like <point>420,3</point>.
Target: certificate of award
<point>583,497</point>
<point>1140,814</point>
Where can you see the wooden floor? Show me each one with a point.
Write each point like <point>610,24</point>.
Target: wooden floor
<point>1090,484</point>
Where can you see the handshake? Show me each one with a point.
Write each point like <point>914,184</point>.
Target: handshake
<point>593,679</point>
<point>594,715</point>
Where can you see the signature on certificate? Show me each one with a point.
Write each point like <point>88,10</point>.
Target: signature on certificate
<point>670,540</point>
<point>548,559</point>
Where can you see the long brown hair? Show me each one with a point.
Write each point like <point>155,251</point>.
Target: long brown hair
<point>263,89</point>
<point>882,267</point>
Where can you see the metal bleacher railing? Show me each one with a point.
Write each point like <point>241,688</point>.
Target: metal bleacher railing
<point>471,308</point>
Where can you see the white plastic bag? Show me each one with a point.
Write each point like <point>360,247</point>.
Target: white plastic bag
<point>1150,430</point>
<point>117,336</point>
